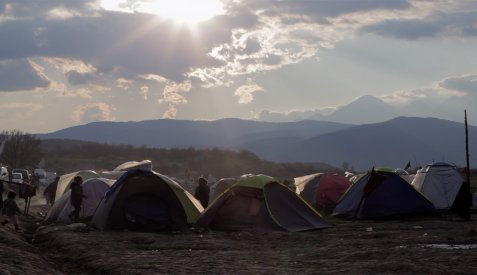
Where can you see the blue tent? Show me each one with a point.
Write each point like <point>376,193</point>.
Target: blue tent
<point>382,194</point>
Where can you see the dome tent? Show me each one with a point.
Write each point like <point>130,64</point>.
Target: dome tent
<point>94,190</point>
<point>65,181</point>
<point>322,190</point>
<point>146,201</point>
<point>382,194</point>
<point>260,203</point>
<point>443,184</point>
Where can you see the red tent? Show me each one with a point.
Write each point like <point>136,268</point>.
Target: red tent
<point>322,190</point>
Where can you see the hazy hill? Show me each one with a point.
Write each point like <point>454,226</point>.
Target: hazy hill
<point>366,109</point>
<point>391,143</point>
<point>169,133</point>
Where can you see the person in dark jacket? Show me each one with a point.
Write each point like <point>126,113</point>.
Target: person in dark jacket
<point>76,198</point>
<point>10,209</point>
<point>50,192</point>
<point>202,192</point>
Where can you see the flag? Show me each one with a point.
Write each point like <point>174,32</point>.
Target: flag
<point>408,165</point>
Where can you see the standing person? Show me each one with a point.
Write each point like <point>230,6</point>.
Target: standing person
<point>202,192</point>
<point>50,191</point>
<point>10,208</point>
<point>76,198</point>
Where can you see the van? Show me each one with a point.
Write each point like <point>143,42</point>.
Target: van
<point>25,174</point>
<point>17,177</point>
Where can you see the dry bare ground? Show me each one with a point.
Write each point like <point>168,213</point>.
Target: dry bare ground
<point>423,246</point>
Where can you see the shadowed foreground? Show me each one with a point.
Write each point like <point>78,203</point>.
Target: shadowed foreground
<point>415,246</point>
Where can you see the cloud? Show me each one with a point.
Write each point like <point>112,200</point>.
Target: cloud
<point>432,19</point>
<point>18,110</point>
<point>459,85</point>
<point>144,91</point>
<point>171,112</point>
<point>20,75</point>
<point>76,78</point>
<point>93,112</point>
<point>245,93</point>
<point>404,97</point>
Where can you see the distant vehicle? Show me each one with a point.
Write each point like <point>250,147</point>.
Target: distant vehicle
<point>41,173</point>
<point>25,174</point>
<point>17,177</point>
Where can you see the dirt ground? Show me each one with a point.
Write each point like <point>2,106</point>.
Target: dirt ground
<point>424,246</point>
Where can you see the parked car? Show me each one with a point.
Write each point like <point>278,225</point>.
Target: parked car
<point>25,174</point>
<point>17,177</point>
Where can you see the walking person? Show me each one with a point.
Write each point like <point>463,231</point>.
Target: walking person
<point>76,198</point>
<point>11,209</point>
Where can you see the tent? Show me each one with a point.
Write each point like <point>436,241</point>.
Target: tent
<point>382,194</point>
<point>322,190</point>
<point>443,184</point>
<point>220,186</point>
<point>146,201</point>
<point>117,172</point>
<point>65,181</point>
<point>260,203</point>
<point>94,190</point>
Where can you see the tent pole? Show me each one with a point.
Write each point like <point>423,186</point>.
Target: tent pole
<point>467,147</point>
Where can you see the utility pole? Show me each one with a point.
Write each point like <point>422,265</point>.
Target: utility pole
<point>467,147</point>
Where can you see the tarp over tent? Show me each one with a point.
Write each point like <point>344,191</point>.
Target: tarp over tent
<point>65,181</point>
<point>260,203</point>
<point>146,201</point>
<point>322,190</point>
<point>94,190</point>
<point>443,184</point>
<point>382,194</point>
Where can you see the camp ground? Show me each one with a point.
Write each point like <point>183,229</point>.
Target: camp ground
<point>259,203</point>
<point>94,189</point>
<point>322,190</point>
<point>382,194</point>
<point>146,201</point>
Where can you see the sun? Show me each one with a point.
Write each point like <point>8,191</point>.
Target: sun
<point>188,12</point>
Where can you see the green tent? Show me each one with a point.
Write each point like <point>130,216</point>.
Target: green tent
<point>260,203</point>
<point>146,201</point>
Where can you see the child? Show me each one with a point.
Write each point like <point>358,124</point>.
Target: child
<point>10,208</point>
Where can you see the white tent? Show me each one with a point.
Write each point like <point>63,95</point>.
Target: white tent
<point>94,190</point>
<point>126,166</point>
<point>440,182</point>
<point>65,181</point>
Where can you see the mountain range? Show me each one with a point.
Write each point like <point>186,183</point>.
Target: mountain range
<point>371,109</point>
<point>391,143</point>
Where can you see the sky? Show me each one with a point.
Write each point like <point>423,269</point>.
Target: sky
<point>66,63</point>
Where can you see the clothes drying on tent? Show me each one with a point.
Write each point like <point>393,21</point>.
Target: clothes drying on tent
<point>381,194</point>
<point>94,190</point>
<point>443,184</point>
<point>65,181</point>
<point>260,203</point>
<point>322,190</point>
<point>146,201</point>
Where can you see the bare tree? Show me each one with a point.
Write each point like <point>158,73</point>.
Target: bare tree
<point>22,150</point>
